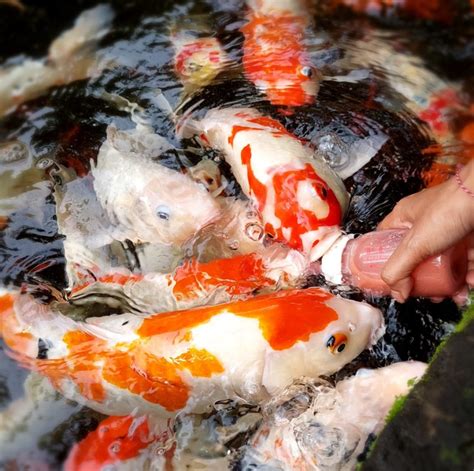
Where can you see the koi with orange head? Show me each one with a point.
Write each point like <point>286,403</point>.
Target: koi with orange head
<point>301,200</point>
<point>275,57</point>
<point>186,360</point>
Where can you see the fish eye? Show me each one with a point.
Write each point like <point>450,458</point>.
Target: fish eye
<point>194,67</point>
<point>324,192</point>
<point>307,71</point>
<point>163,212</point>
<point>336,343</point>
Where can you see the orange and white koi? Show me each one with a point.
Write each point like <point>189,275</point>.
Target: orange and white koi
<point>332,425</point>
<point>196,283</point>
<point>116,440</point>
<point>187,360</point>
<point>275,58</point>
<point>301,200</point>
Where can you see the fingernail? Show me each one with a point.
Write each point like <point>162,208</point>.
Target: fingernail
<point>436,300</point>
<point>398,296</point>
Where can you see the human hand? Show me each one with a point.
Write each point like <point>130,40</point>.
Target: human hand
<point>437,218</point>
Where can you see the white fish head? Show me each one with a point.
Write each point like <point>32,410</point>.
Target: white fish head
<point>358,326</point>
<point>146,201</point>
<point>174,207</point>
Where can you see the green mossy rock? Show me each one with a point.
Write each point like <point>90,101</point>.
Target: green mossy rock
<point>434,428</point>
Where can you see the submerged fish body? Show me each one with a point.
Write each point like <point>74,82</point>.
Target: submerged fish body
<point>301,200</point>
<point>70,58</point>
<point>332,428</point>
<point>275,57</point>
<point>187,360</point>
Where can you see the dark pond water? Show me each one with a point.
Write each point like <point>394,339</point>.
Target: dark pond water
<point>398,63</point>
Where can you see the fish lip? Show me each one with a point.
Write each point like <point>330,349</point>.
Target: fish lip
<point>378,332</point>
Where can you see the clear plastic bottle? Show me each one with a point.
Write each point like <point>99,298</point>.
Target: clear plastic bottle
<point>359,262</point>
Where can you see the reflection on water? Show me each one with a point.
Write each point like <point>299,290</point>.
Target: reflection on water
<point>392,116</point>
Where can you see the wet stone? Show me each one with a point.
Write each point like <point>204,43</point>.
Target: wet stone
<point>434,430</point>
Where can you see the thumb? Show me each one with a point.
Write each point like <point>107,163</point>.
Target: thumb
<point>399,267</point>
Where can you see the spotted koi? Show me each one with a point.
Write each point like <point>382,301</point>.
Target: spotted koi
<point>186,360</point>
<point>300,199</point>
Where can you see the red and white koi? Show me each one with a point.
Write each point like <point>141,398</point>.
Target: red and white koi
<point>433,99</point>
<point>301,200</point>
<point>435,10</point>
<point>198,60</point>
<point>187,360</point>
<point>275,58</point>
<point>332,425</point>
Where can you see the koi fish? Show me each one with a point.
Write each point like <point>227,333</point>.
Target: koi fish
<point>153,205</point>
<point>198,60</point>
<point>301,200</point>
<point>430,97</point>
<point>70,58</point>
<point>195,283</point>
<point>186,360</point>
<point>435,10</point>
<point>318,427</point>
<point>116,440</point>
<point>275,57</point>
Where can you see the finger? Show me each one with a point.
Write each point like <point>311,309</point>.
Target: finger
<point>436,300</point>
<point>461,297</point>
<point>470,279</point>
<point>401,289</point>
<point>400,217</point>
<point>408,255</point>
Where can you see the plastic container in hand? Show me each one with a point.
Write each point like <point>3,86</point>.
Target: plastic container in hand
<point>359,262</point>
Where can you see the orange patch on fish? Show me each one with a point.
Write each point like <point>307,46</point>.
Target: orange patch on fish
<point>111,278</point>
<point>116,439</point>
<point>239,275</point>
<point>284,318</point>
<point>287,207</point>
<point>258,189</point>
<point>289,210</point>
<point>438,173</point>
<point>199,362</point>
<point>158,379</point>
<point>467,133</point>
<point>262,123</point>
<point>10,328</point>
